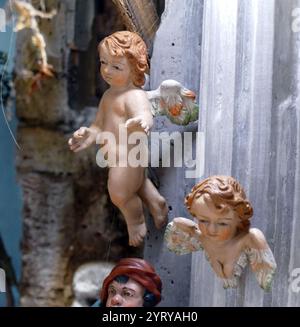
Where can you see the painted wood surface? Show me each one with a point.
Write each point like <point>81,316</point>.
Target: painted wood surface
<point>249,100</point>
<point>249,95</point>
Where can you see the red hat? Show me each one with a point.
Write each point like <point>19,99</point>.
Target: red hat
<point>137,269</point>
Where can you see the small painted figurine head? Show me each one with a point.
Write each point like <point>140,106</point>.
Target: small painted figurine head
<point>220,205</point>
<point>133,282</point>
<point>122,53</point>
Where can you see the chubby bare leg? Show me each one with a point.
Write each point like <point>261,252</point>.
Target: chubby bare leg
<point>123,184</point>
<point>155,202</point>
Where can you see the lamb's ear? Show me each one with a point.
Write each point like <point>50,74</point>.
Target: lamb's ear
<point>173,100</point>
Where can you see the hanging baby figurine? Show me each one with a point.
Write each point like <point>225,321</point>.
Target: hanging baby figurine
<point>123,110</point>
<point>223,231</point>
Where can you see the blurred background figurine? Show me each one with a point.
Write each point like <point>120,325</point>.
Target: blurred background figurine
<point>27,15</point>
<point>223,213</point>
<point>27,18</point>
<point>133,282</point>
<point>86,281</point>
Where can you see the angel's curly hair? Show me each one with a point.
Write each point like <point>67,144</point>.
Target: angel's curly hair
<point>131,45</point>
<point>224,192</point>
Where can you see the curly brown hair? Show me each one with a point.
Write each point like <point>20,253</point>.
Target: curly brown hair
<point>224,192</point>
<point>132,46</point>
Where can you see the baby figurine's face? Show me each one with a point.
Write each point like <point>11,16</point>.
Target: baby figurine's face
<point>215,224</point>
<point>129,294</point>
<point>115,70</point>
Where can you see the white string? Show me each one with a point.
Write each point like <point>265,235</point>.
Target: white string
<point>1,83</point>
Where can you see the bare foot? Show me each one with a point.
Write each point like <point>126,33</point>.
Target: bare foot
<point>159,211</point>
<point>136,233</point>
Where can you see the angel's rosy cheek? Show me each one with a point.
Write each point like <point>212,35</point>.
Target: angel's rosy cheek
<point>225,234</point>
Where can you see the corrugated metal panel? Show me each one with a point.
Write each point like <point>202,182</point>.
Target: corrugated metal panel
<point>250,95</point>
<point>249,100</point>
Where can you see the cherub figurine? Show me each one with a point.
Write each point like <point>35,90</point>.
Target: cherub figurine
<point>133,282</point>
<point>125,106</point>
<point>223,231</point>
<point>27,18</point>
<point>27,15</point>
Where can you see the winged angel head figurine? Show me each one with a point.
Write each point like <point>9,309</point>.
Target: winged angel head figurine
<point>223,213</point>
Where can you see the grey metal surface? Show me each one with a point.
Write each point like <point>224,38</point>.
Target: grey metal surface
<point>249,95</point>
<point>176,55</point>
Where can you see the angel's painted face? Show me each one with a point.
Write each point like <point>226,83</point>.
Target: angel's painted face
<point>115,70</point>
<point>129,294</point>
<point>214,223</point>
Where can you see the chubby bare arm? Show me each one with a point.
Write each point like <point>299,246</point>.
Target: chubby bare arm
<point>258,243</point>
<point>86,136</point>
<point>138,110</point>
<point>256,239</point>
<point>98,122</point>
<point>261,258</point>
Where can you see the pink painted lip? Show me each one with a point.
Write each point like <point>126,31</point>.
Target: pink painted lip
<point>214,235</point>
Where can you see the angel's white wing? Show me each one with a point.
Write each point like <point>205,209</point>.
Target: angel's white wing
<point>174,101</point>
<point>182,239</point>
<point>264,259</point>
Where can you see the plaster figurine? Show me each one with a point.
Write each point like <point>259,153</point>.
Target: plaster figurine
<point>133,282</point>
<point>26,18</point>
<point>223,213</point>
<point>173,100</point>
<point>123,58</point>
<point>27,15</point>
